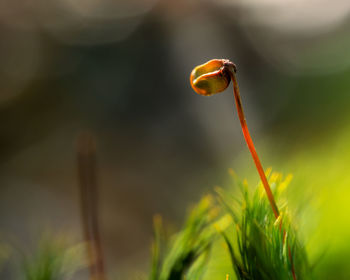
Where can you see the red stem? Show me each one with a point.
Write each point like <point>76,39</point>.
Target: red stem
<point>292,264</point>
<point>250,144</point>
<point>256,159</point>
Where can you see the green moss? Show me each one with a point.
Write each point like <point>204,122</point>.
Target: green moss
<point>248,242</point>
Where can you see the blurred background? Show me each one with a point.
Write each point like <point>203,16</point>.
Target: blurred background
<point>120,70</point>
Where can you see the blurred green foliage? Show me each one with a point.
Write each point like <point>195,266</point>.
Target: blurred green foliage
<point>188,250</point>
<point>54,259</point>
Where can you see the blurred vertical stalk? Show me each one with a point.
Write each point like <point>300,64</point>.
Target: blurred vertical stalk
<point>87,173</point>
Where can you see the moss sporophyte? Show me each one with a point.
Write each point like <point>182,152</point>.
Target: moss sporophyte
<point>214,77</point>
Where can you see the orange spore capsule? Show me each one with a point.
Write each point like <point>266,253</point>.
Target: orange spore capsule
<point>211,77</point>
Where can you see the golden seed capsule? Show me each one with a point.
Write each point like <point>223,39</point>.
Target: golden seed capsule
<point>211,77</point>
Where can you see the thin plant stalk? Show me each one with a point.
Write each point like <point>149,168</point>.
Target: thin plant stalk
<point>214,77</point>
<point>255,156</point>
<point>251,146</point>
<point>86,156</point>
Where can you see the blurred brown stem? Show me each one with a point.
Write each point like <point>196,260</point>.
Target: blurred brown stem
<point>86,157</point>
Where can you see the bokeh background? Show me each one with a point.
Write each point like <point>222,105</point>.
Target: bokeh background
<point>120,69</point>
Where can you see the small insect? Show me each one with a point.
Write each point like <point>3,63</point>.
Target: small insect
<point>212,77</point>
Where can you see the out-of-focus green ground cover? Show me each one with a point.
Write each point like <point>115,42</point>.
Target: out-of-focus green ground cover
<point>316,149</point>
